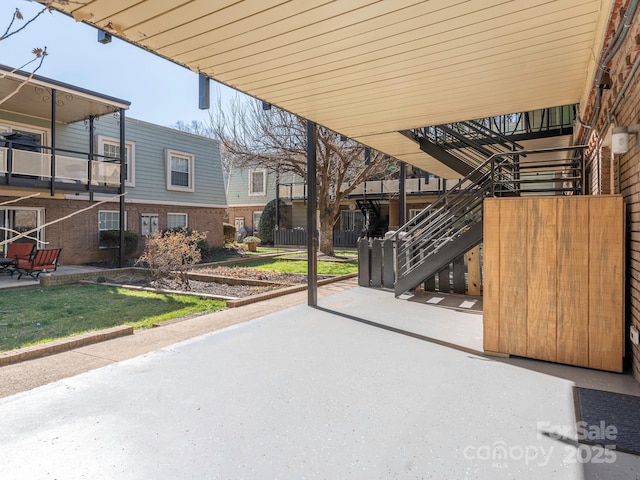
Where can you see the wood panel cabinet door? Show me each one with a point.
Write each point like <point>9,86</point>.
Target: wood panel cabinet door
<point>554,279</point>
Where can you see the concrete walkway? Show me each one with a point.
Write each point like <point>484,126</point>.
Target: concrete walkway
<point>361,388</point>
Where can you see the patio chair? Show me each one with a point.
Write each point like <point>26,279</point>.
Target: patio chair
<point>45,260</point>
<point>15,252</point>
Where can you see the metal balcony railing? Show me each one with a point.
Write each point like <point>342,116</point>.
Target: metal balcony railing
<point>430,186</point>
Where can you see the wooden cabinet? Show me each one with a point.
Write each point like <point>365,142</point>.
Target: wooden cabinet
<point>554,279</point>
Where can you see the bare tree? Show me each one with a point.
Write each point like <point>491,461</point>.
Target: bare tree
<point>16,25</point>
<point>195,127</point>
<point>276,140</point>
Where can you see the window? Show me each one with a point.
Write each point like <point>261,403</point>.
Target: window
<point>351,220</point>
<point>108,220</point>
<point>176,220</point>
<point>110,148</point>
<point>180,173</point>
<point>239,223</point>
<point>39,135</point>
<point>20,220</point>
<point>413,212</point>
<point>257,182</point>
<point>256,219</point>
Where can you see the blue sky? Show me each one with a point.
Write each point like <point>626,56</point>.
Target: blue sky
<point>159,91</point>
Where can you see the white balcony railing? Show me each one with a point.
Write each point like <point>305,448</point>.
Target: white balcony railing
<point>71,169</point>
<point>375,187</point>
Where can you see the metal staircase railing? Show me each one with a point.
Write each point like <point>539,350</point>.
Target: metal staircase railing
<point>470,141</point>
<point>373,222</point>
<point>555,171</point>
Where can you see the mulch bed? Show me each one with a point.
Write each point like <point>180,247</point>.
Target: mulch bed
<point>216,288</point>
<point>253,274</point>
<point>195,286</point>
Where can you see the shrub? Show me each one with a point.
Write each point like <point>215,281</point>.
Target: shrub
<point>188,232</point>
<point>172,254</point>
<point>252,239</point>
<point>229,232</point>
<point>268,221</point>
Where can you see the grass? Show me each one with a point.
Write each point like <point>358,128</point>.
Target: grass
<point>36,315</point>
<point>293,266</point>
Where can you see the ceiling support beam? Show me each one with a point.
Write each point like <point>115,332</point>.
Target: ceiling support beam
<point>312,222</point>
<point>440,154</point>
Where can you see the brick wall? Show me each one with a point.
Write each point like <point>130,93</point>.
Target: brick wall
<point>78,235</point>
<point>606,166</point>
<point>600,171</point>
<point>246,213</point>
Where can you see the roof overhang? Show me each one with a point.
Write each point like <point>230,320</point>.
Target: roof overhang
<point>368,68</point>
<point>32,98</point>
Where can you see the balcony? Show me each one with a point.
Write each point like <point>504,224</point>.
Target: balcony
<point>379,188</point>
<point>65,170</point>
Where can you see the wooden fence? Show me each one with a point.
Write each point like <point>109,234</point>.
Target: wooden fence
<point>376,268</point>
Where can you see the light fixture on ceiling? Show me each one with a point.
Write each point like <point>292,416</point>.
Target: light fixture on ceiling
<point>104,37</point>
<point>203,92</point>
<point>605,81</point>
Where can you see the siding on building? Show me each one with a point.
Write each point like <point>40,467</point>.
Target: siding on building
<point>242,204</point>
<point>238,187</point>
<point>150,142</point>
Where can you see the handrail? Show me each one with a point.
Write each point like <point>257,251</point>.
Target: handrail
<point>59,150</point>
<point>69,169</point>
<point>452,214</point>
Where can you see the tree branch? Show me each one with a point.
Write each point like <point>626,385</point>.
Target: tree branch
<point>27,233</point>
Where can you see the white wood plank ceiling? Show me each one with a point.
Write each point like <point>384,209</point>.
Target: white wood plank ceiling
<point>369,68</point>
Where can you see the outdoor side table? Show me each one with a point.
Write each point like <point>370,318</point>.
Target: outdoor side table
<point>6,263</point>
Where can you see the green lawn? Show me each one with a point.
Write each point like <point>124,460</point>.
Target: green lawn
<point>299,266</point>
<point>35,315</point>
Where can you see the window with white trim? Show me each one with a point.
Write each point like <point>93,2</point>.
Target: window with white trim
<point>39,135</point>
<point>14,221</point>
<point>109,148</point>
<point>257,182</point>
<point>108,220</point>
<point>180,171</point>
<point>177,220</point>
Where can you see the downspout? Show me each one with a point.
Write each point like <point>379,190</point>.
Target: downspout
<point>618,37</point>
<point>612,113</point>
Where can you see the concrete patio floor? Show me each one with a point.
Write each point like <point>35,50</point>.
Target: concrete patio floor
<point>365,387</point>
<point>7,281</point>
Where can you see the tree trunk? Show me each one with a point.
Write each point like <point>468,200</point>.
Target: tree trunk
<point>326,233</point>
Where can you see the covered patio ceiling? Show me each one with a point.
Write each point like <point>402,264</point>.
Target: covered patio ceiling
<point>369,68</point>
<point>33,99</point>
